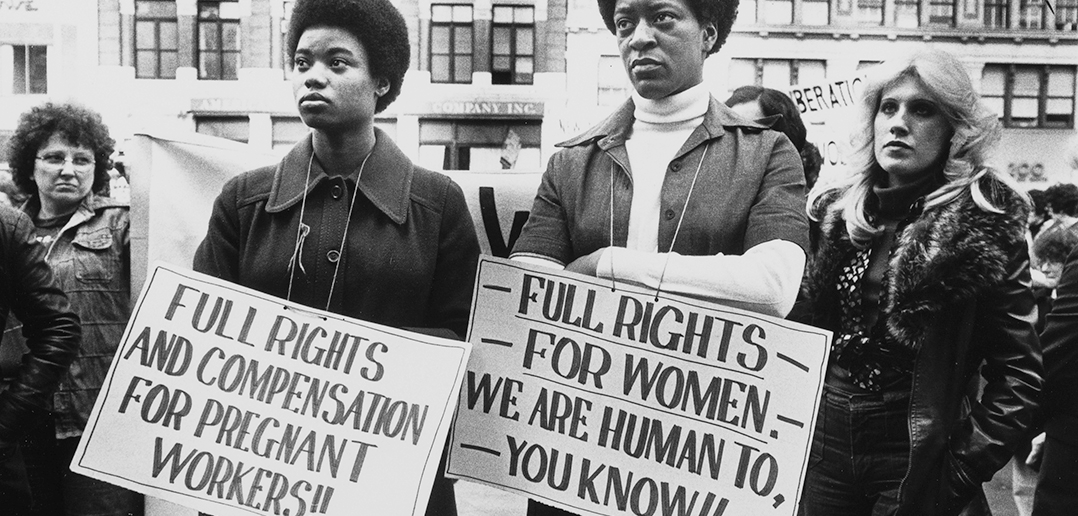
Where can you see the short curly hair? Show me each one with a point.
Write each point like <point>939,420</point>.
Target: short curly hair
<point>1062,198</point>
<point>78,124</point>
<point>721,13</point>
<point>377,24</point>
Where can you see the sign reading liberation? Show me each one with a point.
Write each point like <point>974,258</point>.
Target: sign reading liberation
<point>235,403</point>
<point>611,400</point>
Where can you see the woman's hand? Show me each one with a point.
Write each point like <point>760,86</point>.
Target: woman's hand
<point>587,264</point>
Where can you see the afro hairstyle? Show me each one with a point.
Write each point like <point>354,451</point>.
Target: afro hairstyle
<point>377,24</point>
<point>78,125</point>
<point>721,13</point>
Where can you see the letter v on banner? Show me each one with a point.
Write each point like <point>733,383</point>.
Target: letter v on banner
<point>489,211</point>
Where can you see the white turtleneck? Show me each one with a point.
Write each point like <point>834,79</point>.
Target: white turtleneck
<point>765,279</point>
<point>661,127</point>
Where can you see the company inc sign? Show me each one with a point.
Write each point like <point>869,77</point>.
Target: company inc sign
<point>487,108</point>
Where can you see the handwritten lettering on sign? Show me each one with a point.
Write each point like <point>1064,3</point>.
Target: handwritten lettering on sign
<point>605,401</point>
<point>232,402</point>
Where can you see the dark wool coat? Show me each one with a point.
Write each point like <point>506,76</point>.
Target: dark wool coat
<point>959,294</point>
<point>409,258</point>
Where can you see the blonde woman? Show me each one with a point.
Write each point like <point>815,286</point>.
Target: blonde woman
<point>922,272</point>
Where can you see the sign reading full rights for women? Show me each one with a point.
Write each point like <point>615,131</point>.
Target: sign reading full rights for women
<point>232,402</point>
<point>604,399</point>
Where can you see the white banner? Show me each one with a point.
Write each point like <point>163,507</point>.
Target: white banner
<point>609,401</point>
<point>233,402</point>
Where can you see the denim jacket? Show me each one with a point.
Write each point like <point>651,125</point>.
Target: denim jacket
<point>91,261</point>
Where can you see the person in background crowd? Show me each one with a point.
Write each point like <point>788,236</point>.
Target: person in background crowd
<point>674,191</point>
<point>922,272</point>
<point>774,108</point>
<point>1039,214</point>
<point>345,222</point>
<point>1052,252</point>
<point>60,162</point>
<point>30,375</point>
<point>1062,201</point>
<point>1057,483</point>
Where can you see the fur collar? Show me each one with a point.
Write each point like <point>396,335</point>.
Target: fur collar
<point>950,254</point>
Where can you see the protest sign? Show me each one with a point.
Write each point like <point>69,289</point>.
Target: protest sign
<point>604,399</point>
<point>233,402</point>
<point>816,101</point>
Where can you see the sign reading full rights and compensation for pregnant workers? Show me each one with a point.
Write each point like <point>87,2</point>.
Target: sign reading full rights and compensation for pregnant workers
<point>607,399</point>
<point>232,402</point>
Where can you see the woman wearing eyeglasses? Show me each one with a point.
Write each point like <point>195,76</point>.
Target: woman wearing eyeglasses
<point>60,160</point>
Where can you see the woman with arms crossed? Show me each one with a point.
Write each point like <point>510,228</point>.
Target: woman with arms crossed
<point>674,191</point>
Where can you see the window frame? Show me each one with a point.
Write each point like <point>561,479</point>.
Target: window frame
<point>936,9</point>
<point>997,14</point>
<point>827,11</point>
<point>453,56</point>
<point>1032,10</point>
<point>1043,73</point>
<point>24,76</point>
<point>1066,18</point>
<point>157,21</point>
<point>877,6</point>
<point>218,25</point>
<point>916,12</point>
<point>513,56</point>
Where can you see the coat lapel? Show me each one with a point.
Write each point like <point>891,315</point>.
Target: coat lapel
<point>950,254</point>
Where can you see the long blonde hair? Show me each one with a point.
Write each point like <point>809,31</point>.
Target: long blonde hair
<point>976,131</point>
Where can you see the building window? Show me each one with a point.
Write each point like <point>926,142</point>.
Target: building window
<point>746,13</point>
<point>908,13</point>
<point>479,144</point>
<point>236,128</point>
<point>777,74</point>
<point>30,70</point>
<point>613,85</point>
<point>451,43</point>
<point>218,40</point>
<point>997,14</point>
<point>815,12</point>
<point>1030,95</point>
<point>512,56</point>
<point>1032,14</point>
<point>779,12</point>
<point>286,18</point>
<point>155,39</point>
<point>941,13</point>
<point>1066,15</point>
<point>870,12</point>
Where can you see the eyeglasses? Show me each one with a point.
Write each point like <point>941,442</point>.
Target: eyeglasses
<point>56,162</point>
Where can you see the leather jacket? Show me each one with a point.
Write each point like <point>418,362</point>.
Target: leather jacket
<point>29,290</point>
<point>90,258</point>
<point>959,295</point>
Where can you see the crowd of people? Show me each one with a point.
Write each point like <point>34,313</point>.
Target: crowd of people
<point>952,294</point>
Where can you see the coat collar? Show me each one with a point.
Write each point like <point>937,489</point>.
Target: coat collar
<point>613,131</point>
<point>950,254</point>
<point>386,180</point>
<point>89,205</point>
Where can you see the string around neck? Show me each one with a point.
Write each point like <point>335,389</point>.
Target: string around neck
<point>303,230</point>
<point>677,229</point>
